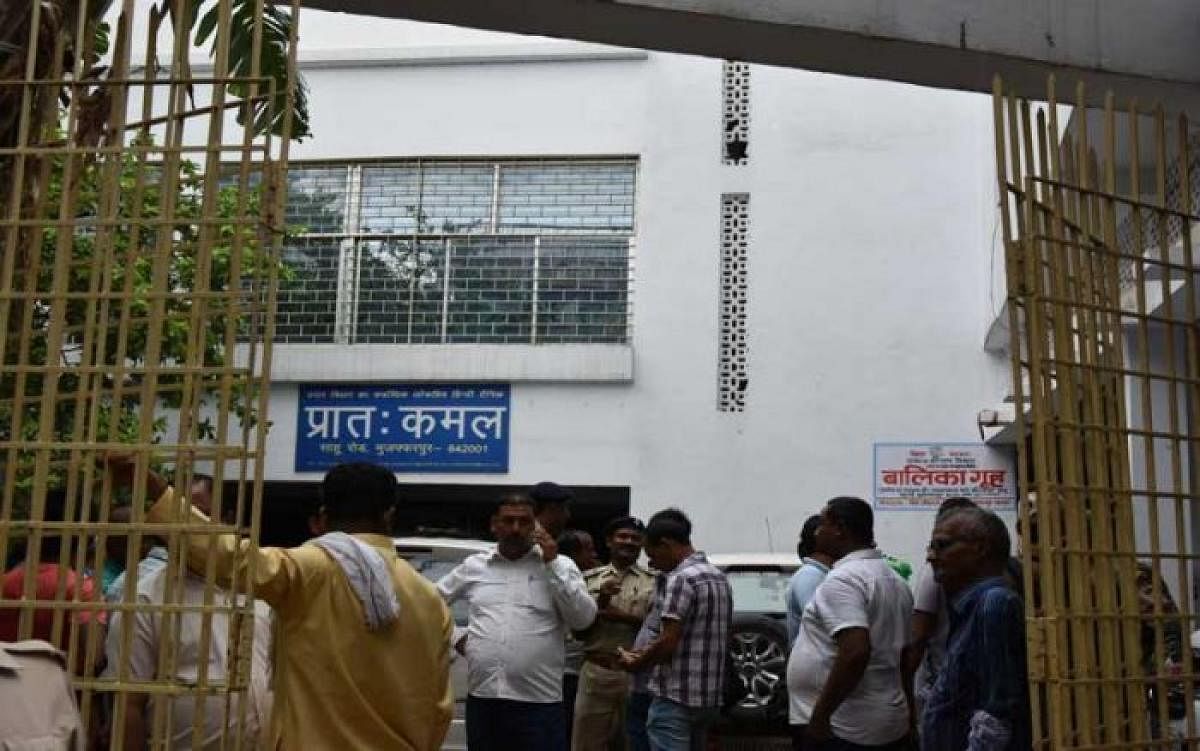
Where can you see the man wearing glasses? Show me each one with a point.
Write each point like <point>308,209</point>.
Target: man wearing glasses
<point>980,700</point>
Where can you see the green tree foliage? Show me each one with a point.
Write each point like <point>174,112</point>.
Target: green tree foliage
<point>122,259</point>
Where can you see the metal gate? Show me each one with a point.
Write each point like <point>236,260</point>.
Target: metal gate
<point>139,245</point>
<point>1098,222</point>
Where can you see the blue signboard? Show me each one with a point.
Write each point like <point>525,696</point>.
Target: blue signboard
<point>406,427</point>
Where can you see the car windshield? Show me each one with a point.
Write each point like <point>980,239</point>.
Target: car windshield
<point>434,569</point>
<point>758,591</point>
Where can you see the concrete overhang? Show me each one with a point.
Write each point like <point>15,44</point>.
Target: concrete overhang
<point>1148,49</point>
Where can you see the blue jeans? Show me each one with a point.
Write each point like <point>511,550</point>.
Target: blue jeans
<point>504,724</point>
<point>636,712</point>
<point>675,727</point>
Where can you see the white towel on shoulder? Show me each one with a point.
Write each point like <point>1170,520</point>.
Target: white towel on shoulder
<point>367,571</point>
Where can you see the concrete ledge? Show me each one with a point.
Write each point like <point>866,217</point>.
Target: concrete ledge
<point>1149,50</point>
<point>553,51</point>
<point>464,362</point>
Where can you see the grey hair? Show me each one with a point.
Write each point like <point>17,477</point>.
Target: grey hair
<point>986,527</point>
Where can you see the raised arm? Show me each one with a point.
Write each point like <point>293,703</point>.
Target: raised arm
<point>274,573</point>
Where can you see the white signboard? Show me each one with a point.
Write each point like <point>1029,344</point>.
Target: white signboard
<point>922,475</point>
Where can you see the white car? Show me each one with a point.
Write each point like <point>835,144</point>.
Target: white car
<point>433,558</point>
<point>758,643</point>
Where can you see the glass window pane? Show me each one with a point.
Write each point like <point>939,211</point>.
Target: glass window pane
<point>400,291</point>
<point>491,290</point>
<point>316,200</point>
<point>566,197</point>
<point>583,290</point>
<point>307,299</point>
<point>456,198</point>
<point>390,199</point>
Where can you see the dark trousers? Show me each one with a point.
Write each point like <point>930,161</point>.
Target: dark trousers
<point>504,725</point>
<point>636,713</point>
<point>570,690</point>
<point>837,744</point>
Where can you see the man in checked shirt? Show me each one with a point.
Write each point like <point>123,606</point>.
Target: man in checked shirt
<point>688,654</point>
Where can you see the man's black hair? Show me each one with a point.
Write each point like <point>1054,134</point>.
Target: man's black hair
<point>624,522</point>
<point>808,536</point>
<point>358,491</point>
<point>570,543</point>
<point>515,499</point>
<point>853,515</point>
<point>549,493</point>
<point>669,524</point>
<point>953,504</point>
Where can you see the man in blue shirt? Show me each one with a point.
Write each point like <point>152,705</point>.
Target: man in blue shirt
<point>980,701</point>
<point>813,568</point>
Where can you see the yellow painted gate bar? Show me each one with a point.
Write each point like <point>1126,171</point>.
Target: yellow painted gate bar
<point>140,227</point>
<point>1098,221</point>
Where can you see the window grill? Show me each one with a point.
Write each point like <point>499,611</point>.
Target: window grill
<point>459,252</point>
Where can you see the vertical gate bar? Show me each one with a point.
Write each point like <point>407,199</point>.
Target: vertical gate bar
<point>56,338</point>
<point>31,122</point>
<point>119,373</point>
<point>8,264</point>
<point>1145,380</point>
<point>1097,519</point>
<point>276,232</point>
<point>23,365</point>
<point>1125,524</point>
<point>161,254</point>
<point>92,386</point>
<point>1064,699</point>
<point>1170,323</point>
<point>1097,470</point>
<point>1192,401</point>
<point>190,404</point>
<point>1118,382</point>
<point>75,494</point>
<point>1041,635</point>
<point>1065,504</point>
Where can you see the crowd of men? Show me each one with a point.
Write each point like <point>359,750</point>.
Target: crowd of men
<point>352,647</point>
<point>860,638</point>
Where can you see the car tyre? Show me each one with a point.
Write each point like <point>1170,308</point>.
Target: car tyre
<point>756,686</point>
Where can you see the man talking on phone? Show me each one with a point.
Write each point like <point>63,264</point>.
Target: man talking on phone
<point>523,597</point>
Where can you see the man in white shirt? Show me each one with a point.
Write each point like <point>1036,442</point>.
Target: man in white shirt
<point>37,703</point>
<point>152,631</point>
<point>524,598</point>
<point>844,682</point>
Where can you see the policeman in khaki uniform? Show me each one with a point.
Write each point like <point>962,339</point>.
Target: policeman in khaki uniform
<point>622,590</point>
<point>37,705</point>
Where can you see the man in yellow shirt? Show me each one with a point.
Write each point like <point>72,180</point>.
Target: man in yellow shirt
<point>358,664</point>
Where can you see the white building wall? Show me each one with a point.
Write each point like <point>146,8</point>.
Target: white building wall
<point>871,224</point>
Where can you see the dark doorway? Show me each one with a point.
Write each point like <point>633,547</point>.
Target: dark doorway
<point>433,510</point>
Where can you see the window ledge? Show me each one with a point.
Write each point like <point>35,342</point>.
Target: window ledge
<point>453,362</point>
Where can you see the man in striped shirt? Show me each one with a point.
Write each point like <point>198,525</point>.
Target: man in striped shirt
<point>689,653</point>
